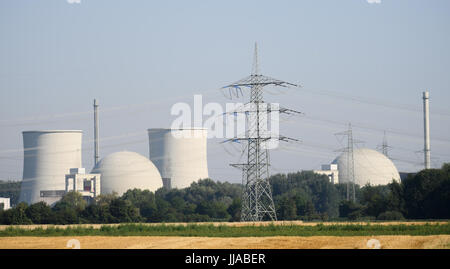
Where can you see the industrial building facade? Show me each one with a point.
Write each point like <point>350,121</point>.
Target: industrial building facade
<point>5,203</point>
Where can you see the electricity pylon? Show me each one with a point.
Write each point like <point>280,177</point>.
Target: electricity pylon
<point>257,202</point>
<point>350,163</point>
<point>384,147</point>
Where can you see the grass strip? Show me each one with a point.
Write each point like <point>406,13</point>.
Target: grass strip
<point>210,230</point>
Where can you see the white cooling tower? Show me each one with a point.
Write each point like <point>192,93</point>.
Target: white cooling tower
<point>179,155</point>
<point>122,171</point>
<point>48,156</point>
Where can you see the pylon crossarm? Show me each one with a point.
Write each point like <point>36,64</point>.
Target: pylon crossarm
<point>260,80</point>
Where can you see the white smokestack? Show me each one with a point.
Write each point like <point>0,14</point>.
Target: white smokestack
<point>96,147</point>
<point>426,117</point>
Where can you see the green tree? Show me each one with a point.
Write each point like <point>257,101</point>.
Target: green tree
<point>162,209</point>
<point>350,210</point>
<point>105,199</point>
<point>97,213</point>
<point>287,209</point>
<point>419,191</point>
<point>123,211</point>
<point>438,201</point>
<point>214,210</point>
<point>395,200</point>
<point>391,215</point>
<point>10,189</point>
<point>305,188</point>
<point>68,209</point>
<point>235,210</point>
<point>73,200</point>
<point>310,211</point>
<point>40,213</point>
<point>16,215</point>
<point>374,198</point>
<point>144,200</point>
<point>446,169</point>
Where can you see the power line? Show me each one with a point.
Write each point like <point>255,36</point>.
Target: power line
<point>373,101</point>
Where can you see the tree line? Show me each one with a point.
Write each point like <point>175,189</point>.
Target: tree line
<point>204,200</point>
<point>297,196</point>
<point>308,196</point>
<point>10,189</point>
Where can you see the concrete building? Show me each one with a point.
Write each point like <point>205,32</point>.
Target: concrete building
<point>48,157</point>
<point>86,184</point>
<point>330,170</point>
<point>121,171</point>
<point>5,203</point>
<point>179,155</point>
<point>370,167</point>
<point>50,197</point>
<point>405,175</point>
<point>77,180</point>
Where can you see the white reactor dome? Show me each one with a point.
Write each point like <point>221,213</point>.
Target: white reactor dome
<point>121,171</point>
<point>370,167</point>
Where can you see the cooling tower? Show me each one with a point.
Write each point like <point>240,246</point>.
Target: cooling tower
<point>179,155</point>
<point>48,156</point>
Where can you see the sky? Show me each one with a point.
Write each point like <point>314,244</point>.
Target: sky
<point>363,62</point>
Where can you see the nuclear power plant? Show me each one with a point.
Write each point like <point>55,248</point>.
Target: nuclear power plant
<point>53,166</point>
<point>52,163</point>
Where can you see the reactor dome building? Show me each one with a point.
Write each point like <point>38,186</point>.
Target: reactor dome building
<point>121,171</point>
<point>179,154</point>
<point>370,167</point>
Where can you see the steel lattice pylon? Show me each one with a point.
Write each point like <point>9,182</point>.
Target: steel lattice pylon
<point>350,166</point>
<point>351,194</point>
<point>257,202</point>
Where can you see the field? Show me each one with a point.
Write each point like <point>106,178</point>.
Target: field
<point>174,242</point>
<point>265,235</point>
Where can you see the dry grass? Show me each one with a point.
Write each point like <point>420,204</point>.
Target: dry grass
<point>270,242</point>
<point>277,242</point>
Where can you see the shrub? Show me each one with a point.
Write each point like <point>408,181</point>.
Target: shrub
<point>391,215</point>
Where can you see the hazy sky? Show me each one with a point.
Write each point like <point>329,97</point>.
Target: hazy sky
<point>359,62</point>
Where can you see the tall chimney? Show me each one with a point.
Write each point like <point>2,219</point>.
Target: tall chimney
<point>426,121</point>
<point>96,156</point>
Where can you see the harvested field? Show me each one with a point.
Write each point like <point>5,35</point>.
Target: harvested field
<point>263,235</point>
<point>277,242</point>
